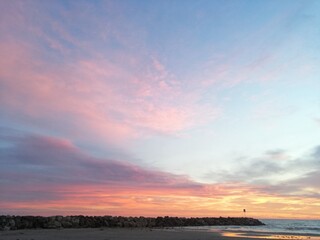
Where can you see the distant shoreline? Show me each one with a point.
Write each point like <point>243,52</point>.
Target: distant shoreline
<point>80,221</point>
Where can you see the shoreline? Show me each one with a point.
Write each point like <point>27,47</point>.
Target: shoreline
<point>175,233</point>
<point>269,235</point>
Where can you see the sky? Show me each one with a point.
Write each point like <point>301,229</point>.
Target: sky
<point>154,108</point>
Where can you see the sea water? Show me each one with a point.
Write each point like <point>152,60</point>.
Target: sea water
<point>304,227</point>
<point>291,226</point>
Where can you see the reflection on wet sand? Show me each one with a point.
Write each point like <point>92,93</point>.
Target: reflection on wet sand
<point>249,235</point>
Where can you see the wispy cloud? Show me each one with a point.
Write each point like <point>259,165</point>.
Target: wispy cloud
<point>88,79</point>
<point>277,172</point>
<point>273,52</point>
<point>114,98</point>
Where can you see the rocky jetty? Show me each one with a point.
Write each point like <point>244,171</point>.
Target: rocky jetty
<point>29,222</point>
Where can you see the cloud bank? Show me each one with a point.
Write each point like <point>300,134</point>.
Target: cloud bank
<point>52,172</point>
<point>277,172</point>
<point>59,178</point>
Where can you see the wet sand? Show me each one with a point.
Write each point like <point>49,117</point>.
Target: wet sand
<point>110,234</point>
<point>262,235</point>
<point>134,234</point>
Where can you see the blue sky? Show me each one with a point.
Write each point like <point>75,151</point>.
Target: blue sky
<point>198,93</point>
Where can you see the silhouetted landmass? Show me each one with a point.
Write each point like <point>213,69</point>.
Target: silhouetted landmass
<point>32,222</point>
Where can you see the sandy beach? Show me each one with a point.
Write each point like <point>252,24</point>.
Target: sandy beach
<point>134,234</point>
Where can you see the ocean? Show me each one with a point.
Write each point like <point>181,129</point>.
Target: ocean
<point>302,227</point>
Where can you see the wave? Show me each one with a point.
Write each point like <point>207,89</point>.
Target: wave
<point>303,228</point>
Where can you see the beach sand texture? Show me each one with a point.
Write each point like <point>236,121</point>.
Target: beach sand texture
<point>109,234</point>
<point>127,234</point>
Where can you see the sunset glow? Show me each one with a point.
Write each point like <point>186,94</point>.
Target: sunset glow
<point>154,108</point>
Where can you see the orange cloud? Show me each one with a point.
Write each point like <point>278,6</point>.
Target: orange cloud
<point>56,177</point>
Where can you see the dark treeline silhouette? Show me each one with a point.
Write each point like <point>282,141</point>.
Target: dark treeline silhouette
<point>28,222</point>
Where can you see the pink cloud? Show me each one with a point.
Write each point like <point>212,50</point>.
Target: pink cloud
<point>57,176</point>
<point>95,96</point>
<point>84,93</point>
